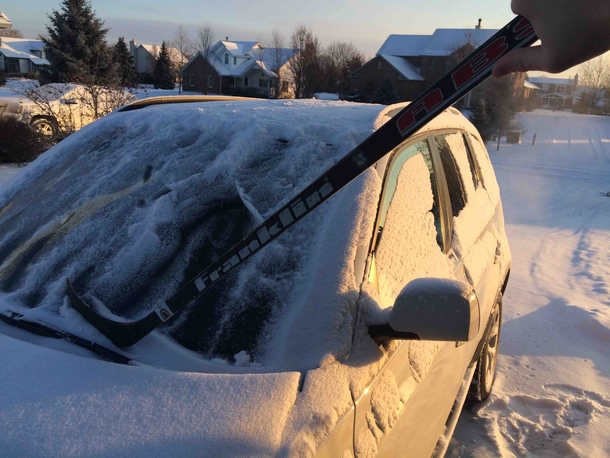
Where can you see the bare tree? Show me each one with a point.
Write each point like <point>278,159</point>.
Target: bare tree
<point>342,59</point>
<point>594,79</point>
<point>298,64</point>
<point>205,39</point>
<point>305,64</point>
<point>278,56</point>
<point>184,48</point>
<point>11,33</point>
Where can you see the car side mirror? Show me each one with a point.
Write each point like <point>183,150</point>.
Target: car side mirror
<point>432,309</point>
<point>69,101</point>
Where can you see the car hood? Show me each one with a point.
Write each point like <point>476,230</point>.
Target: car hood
<point>57,404</point>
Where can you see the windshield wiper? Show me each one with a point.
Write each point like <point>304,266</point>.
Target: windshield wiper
<point>19,321</point>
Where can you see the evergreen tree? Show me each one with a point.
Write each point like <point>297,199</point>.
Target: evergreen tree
<point>76,46</point>
<point>164,72</point>
<point>386,94</point>
<point>125,63</point>
<point>493,111</point>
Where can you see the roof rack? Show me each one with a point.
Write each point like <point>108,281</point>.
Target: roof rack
<point>139,104</point>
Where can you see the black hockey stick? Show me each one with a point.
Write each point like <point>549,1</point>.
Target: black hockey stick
<point>454,85</point>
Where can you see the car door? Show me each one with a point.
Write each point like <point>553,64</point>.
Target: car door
<point>474,236</point>
<point>402,412</point>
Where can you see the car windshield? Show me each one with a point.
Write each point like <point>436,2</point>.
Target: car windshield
<point>138,203</point>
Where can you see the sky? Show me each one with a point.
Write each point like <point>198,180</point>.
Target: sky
<point>366,24</point>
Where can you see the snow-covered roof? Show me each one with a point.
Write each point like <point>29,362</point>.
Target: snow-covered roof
<point>529,85</point>
<point>174,54</point>
<point>266,65</point>
<point>407,69</point>
<point>239,48</point>
<point>558,81</point>
<point>442,42</point>
<point>270,60</point>
<point>403,45</point>
<point>21,48</point>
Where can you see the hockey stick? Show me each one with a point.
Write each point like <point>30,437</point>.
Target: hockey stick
<point>454,85</point>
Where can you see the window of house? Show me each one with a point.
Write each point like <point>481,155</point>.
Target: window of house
<point>262,82</point>
<point>210,77</point>
<point>379,65</point>
<point>452,175</point>
<point>432,65</point>
<point>561,89</point>
<point>545,87</point>
<point>191,80</point>
<point>234,60</point>
<point>226,59</point>
<point>246,81</point>
<point>284,86</point>
<point>447,65</point>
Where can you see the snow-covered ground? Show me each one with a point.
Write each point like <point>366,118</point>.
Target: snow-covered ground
<point>552,393</point>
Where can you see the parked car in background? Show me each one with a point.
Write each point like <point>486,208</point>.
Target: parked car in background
<point>59,109</point>
<point>360,331</point>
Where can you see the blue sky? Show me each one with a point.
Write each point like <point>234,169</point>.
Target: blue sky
<point>365,24</point>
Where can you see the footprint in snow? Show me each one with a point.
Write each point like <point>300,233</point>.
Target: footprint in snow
<point>541,426</point>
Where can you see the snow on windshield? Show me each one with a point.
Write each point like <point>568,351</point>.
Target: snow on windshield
<point>135,204</point>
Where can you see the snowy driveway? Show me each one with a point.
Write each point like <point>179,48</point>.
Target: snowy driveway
<point>552,392</point>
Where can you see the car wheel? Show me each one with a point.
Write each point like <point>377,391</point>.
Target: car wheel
<point>485,373</point>
<point>46,127</point>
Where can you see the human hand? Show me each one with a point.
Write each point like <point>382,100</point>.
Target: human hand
<point>571,32</point>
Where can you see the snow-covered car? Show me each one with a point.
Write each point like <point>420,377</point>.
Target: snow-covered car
<point>360,331</point>
<point>57,109</point>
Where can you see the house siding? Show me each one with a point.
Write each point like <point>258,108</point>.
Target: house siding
<point>200,68</point>
<point>367,80</point>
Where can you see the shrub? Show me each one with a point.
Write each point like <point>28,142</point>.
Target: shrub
<point>19,142</point>
<point>2,77</point>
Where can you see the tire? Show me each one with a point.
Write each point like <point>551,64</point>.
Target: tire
<point>485,373</point>
<point>46,126</point>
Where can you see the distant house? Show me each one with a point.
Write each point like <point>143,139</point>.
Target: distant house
<point>415,62</point>
<point>4,21</point>
<point>229,66</point>
<point>145,55</point>
<point>20,57</point>
<point>556,93</point>
<point>529,95</point>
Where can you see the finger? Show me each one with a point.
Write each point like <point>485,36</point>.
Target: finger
<point>519,60</point>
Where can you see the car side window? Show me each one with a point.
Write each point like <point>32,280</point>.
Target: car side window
<point>410,241</point>
<point>455,185</point>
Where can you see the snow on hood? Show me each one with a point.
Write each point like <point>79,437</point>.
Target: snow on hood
<point>54,404</point>
<point>135,204</point>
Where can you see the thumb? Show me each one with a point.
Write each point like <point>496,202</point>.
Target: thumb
<point>519,60</point>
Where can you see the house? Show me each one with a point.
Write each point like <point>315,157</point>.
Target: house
<point>229,67</point>
<point>144,56</point>
<point>529,95</point>
<point>4,21</point>
<point>415,62</point>
<point>555,93</point>
<point>20,57</point>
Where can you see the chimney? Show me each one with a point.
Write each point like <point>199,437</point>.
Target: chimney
<point>227,38</point>
<point>480,25</point>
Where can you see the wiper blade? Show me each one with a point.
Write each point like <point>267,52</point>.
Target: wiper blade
<point>20,321</point>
